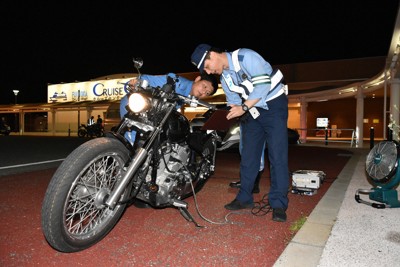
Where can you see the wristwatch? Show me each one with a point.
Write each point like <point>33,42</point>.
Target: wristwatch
<point>245,108</point>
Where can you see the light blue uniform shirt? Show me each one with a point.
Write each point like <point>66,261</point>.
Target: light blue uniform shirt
<point>253,66</point>
<point>183,87</point>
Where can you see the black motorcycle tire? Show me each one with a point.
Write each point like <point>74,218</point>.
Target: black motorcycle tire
<point>73,215</point>
<point>82,133</point>
<point>99,133</point>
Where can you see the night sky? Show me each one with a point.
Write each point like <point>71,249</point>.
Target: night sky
<point>68,41</point>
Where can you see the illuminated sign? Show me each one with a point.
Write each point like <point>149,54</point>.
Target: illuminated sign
<point>322,122</point>
<point>112,89</point>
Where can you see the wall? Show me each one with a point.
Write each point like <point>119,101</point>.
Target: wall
<point>68,120</point>
<point>342,112</point>
<point>294,117</point>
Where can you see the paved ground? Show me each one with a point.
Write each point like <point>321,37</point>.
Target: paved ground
<point>148,237</point>
<point>342,232</point>
<point>338,230</point>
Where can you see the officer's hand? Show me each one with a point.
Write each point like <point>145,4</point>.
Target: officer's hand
<point>132,82</point>
<point>235,111</point>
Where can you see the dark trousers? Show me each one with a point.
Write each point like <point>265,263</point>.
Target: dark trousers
<point>271,126</point>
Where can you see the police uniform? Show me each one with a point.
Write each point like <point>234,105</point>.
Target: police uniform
<point>251,77</point>
<point>90,121</point>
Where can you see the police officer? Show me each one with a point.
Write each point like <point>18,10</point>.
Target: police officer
<point>257,93</point>
<point>90,121</point>
<point>203,86</point>
<point>256,188</point>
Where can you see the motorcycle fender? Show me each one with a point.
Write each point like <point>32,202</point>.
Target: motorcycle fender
<point>119,138</point>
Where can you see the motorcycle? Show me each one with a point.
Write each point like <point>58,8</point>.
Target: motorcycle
<point>94,130</point>
<point>163,164</point>
<point>5,129</point>
<point>229,138</point>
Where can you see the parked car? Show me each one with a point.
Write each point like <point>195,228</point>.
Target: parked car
<point>231,137</point>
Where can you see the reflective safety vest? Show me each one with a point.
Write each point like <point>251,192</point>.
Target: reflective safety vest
<point>247,83</point>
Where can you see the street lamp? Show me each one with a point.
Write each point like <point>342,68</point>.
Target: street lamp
<point>16,93</point>
<point>16,115</point>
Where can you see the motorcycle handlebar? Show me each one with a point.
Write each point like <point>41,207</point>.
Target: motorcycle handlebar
<point>191,100</point>
<point>194,102</point>
<point>206,104</point>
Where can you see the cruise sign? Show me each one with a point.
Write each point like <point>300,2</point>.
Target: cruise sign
<point>110,89</point>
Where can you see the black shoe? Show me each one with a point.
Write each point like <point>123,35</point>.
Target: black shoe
<point>237,205</point>
<point>279,215</point>
<point>235,184</point>
<point>256,188</point>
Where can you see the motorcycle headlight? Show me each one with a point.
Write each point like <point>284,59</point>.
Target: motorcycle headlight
<point>138,103</point>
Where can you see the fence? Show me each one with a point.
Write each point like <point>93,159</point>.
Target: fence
<point>330,135</point>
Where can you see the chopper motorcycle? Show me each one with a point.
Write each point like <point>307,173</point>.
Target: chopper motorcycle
<point>164,164</point>
<point>94,130</point>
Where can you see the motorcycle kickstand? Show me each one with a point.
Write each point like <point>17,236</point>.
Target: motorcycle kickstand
<point>186,214</point>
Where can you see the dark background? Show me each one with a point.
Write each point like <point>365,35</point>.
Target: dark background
<point>73,41</point>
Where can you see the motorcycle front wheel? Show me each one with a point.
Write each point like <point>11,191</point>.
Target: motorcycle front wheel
<point>74,216</point>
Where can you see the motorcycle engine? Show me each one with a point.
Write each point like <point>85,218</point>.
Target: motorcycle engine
<point>173,179</point>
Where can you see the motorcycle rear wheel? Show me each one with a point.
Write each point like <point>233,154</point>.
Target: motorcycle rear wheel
<point>99,133</point>
<point>74,217</point>
<point>82,133</point>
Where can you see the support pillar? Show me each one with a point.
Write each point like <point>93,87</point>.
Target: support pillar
<point>360,117</point>
<point>395,108</point>
<point>303,120</point>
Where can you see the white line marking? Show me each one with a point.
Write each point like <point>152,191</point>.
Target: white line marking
<point>30,164</point>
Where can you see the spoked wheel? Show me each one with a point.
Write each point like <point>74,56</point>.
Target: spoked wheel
<point>74,216</point>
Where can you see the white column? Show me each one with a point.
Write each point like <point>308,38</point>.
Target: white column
<point>360,117</point>
<point>303,119</point>
<point>53,121</point>
<point>394,107</point>
<point>21,120</point>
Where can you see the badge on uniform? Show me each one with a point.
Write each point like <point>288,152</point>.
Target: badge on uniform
<point>254,112</point>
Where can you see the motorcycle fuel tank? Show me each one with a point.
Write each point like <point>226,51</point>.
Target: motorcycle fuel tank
<point>177,128</point>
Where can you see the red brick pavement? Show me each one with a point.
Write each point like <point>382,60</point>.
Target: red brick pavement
<point>149,237</point>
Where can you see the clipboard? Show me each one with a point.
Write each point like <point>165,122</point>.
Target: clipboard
<point>218,121</point>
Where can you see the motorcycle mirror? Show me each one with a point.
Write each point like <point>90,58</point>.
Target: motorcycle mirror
<point>138,62</point>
